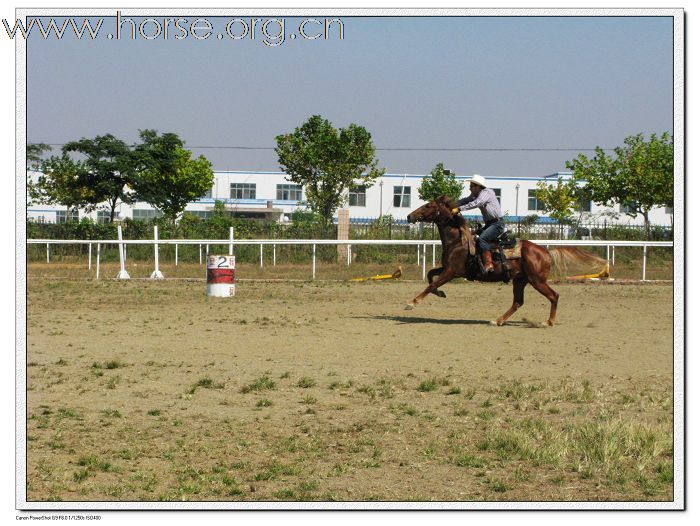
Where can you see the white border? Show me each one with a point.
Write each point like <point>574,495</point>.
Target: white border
<point>679,267</point>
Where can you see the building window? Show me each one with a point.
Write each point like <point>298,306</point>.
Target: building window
<point>533,203</point>
<point>242,190</point>
<point>584,205</point>
<point>289,192</point>
<point>208,194</point>
<point>628,208</point>
<point>358,196</point>
<point>497,191</point>
<point>402,196</point>
<point>102,216</point>
<point>62,216</point>
<point>202,214</point>
<point>145,214</point>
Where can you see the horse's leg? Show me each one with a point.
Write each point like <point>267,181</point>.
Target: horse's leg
<point>518,300</point>
<point>447,275</point>
<point>548,292</point>
<point>431,274</point>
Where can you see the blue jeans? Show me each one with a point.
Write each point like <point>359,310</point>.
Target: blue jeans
<point>490,233</point>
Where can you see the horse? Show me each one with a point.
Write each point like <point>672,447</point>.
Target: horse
<point>459,254</point>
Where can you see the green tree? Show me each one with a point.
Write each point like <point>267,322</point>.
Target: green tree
<point>34,154</point>
<point>561,200</point>
<point>440,182</point>
<point>106,171</point>
<point>327,161</point>
<point>639,175</point>
<point>167,176</point>
<point>62,181</point>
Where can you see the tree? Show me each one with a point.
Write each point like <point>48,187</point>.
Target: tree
<point>62,181</point>
<point>560,201</point>
<point>440,182</point>
<point>167,177</point>
<point>639,175</point>
<point>34,154</point>
<point>327,162</point>
<point>106,171</point>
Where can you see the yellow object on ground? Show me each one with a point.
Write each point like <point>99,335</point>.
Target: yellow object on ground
<point>603,274</point>
<point>395,275</point>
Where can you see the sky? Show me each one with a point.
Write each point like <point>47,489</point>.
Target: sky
<point>428,89</point>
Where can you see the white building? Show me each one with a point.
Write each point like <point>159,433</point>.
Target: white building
<point>269,195</point>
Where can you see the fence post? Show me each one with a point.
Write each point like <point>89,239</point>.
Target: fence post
<point>313,262</point>
<point>98,262</point>
<point>434,244</point>
<point>123,274</point>
<point>230,241</point>
<point>176,254</point>
<point>613,255</point>
<point>274,255</point>
<point>644,263</point>
<point>157,274</point>
<point>424,247</point>
<point>89,256</point>
<point>418,255</point>
<point>349,254</point>
<point>48,257</point>
<point>261,255</point>
<point>200,253</point>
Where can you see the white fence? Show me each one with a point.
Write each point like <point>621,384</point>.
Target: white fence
<point>421,248</point>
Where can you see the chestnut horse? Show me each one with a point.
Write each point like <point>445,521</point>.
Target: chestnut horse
<point>459,252</point>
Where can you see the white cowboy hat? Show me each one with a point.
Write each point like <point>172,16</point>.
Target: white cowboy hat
<point>477,179</point>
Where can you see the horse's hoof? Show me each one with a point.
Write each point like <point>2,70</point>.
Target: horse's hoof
<point>408,307</point>
<point>440,294</point>
<point>495,323</point>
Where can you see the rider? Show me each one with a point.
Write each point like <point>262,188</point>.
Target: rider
<point>485,200</point>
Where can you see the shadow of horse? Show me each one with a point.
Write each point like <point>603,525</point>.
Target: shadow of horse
<point>410,320</point>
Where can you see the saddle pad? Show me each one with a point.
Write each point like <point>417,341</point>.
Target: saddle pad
<point>513,253</point>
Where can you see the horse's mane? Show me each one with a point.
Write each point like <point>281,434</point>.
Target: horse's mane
<point>460,222</point>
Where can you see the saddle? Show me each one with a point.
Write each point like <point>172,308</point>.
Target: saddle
<point>507,247</point>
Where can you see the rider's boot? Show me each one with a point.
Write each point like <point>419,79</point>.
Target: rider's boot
<point>488,261</point>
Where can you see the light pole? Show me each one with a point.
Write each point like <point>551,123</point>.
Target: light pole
<point>517,195</point>
<point>381,195</point>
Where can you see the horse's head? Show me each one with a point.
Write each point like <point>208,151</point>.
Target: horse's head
<point>436,211</point>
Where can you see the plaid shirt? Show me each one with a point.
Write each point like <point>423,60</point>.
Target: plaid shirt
<point>486,201</point>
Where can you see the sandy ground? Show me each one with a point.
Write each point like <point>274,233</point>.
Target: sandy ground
<point>325,391</point>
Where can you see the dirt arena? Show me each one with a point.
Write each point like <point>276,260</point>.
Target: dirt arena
<point>331,391</point>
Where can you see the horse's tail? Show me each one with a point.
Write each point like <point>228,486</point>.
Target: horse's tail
<point>562,257</point>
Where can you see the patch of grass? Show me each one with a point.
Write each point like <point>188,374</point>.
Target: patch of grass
<point>277,469</point>
<point>112,382</point>
<point>306,382</point>
<point>114,364</point>
<point>263,402</point>
<point>467,460</point>
<point>205,383</point>
<point>454,391</point>
<point>153,412</point>
<point>499,486</point>
<point>261,384</point>
<point>428,385</point>
<point>111,413</point>
<point>309,400</point>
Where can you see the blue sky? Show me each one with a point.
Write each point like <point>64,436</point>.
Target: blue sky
<point>420,83</point>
